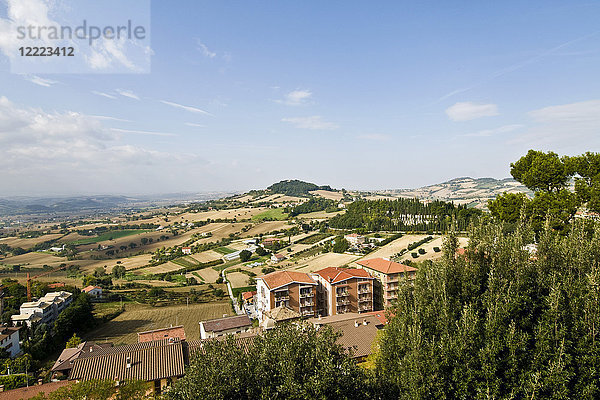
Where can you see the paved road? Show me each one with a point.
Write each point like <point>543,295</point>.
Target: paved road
<point>236,306</point>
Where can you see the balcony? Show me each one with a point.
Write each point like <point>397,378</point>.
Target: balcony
<point>365,308</point>
<point>392,279</point>
<point>363,299</point>
<point>307,312</point>
<point>307,304</point>
<point>342,293</point>
<point>390,288</point>
<point>342,310</point>
<point>343,302</point>
<point>304,295</point>
<point>390,296</point>
<point>364,289</point>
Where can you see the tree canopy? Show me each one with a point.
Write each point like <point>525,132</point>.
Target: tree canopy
<point>290,362</point>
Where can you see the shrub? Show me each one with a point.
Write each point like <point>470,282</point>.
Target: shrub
<point>414,254</point>
<point>421,251</point>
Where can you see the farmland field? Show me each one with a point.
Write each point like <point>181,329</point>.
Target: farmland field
<point>110,236</point>
<point>325,260</point>
<point>272,214</point>
<point>27,243</point>
<point>237,279</point>
<point>138,318</point>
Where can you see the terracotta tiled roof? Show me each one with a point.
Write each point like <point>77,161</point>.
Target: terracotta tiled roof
<point>336,274</point>
<point>359,331</point>
<point>142,361</point>
<point>88,289</point>
<point>225,324</point>
<point>32,391</point>
<point>248,295</point>
<point>68,356</point>
<point>385,266</point>
<point>278,279</point>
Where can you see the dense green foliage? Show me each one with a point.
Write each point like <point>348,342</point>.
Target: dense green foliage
<point>500,322</point>
<point>295,187</point>
<point>403,214</point>
<point>312,205</point>
<point>548,177</point>
<point>99,390</point>
<point>289,362</point>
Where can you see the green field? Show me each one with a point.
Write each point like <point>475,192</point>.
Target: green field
<point>138,318</point>
<point>224,250</point>
<point>110,236</point>
<point>186,261</point>
<point>314,238</point>
<point>274,214</point>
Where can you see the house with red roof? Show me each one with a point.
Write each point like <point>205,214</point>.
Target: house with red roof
<point>292,289</point>
<point>344,290</point>
<point>387,274</point>
<point>93,291</point>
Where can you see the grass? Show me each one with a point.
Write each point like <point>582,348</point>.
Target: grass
<point>238,290</point>
<point>110,236</point>
<point>314,238</point>
<point>274,214</point>
<point>224,250</point>
<point>138,318</point>
<point>186,261</point>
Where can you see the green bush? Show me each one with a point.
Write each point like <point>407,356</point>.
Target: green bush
<point>436,249</point>
<point>414,254</point>
<point>421,251</point>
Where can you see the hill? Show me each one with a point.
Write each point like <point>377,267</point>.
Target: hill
<point>472,191</point>
<point>296,188</point>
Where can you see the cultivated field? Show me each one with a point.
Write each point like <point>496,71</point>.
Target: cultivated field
<point>324,260</point>
<point>27,243</point>
<point>394,247</point>
<point>206,256</point>
<point>208,274</point>
<point>237,279</point>
<point>336,196</point>
<point>138,318</point>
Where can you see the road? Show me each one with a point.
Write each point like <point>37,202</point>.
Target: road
<point>236,306</point>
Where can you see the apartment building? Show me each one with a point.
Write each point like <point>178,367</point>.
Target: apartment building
<point>344,290</point>
<point>44,311</point>
<point>388,274</point>
<point>291,289</point>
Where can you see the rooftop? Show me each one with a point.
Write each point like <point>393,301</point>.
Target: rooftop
<point>385,266</point>
<point>225,324</point>
<point>146,361</point>
<point>337,274</point>
<point>278,279</point>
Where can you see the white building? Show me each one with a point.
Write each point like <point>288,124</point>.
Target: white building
<point>93,291</point>
<point>355,239</point>
<point>225,326</point>
<point>9,341</point>
<point>44,311</point>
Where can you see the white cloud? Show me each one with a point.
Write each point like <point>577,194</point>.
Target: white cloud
<point>22,13</point>
<point>127,93</point>
<point>195,125</point>
<point>70,152</point>
<point>204,50</point>
<point>467,111</point>
<point>377,137</point>
<point>106,118</point>
<point>572,127</point>
<point>136,132</point>
<point>584,111</point>
<point>108,96</point>
<point>40,81</point>
<point>186,108</point>
<point>296,97</point>
<point>314,122</point>
<point>495,131</point>
<point>108,54</point>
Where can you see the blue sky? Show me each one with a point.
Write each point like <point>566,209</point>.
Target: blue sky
<point>359,95</point>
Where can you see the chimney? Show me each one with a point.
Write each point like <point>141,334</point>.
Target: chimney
<point>356,324</point>
<point>128,362</point>
<point>365,321</point>
<point>1,388</point>
<point>40,382</point>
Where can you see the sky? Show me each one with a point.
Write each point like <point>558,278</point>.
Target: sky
<point>237,95</point>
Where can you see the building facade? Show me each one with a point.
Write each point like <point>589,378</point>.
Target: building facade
<point>388,275</point>
<point>344,290</point>
<point>44,311</point>
<point>291,289</point>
